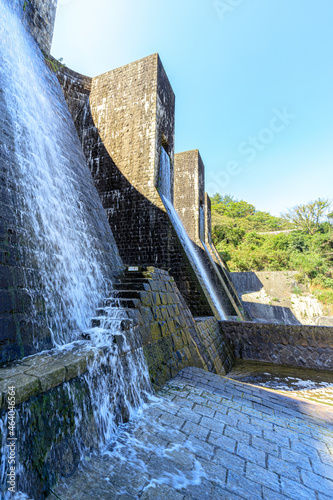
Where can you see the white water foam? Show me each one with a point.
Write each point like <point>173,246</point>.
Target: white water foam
<point>59,244</point>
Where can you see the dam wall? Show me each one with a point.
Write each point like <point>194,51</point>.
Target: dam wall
<point>124,118</point>
<point>38,16</point>
<point>58,253</point>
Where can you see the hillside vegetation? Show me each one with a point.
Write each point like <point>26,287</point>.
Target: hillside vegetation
<point>306,245</point>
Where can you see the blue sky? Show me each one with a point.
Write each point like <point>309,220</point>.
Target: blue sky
<point>253,81</point>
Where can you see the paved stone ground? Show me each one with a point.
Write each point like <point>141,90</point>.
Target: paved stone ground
<point>209,437</point>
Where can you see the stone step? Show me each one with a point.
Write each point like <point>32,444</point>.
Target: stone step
<point>132,279</point>
<point>129,285</point>
<point>89,332</point>
<point>125,339</point>
<point>123,303</point>
<point>128,294</point>
<point>135,274</point>
<point>124,294</point>
<point>114,312</point>
<point>96,322</point>
<point>107,323</point>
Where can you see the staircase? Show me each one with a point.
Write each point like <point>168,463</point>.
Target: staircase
<point>116,319</point>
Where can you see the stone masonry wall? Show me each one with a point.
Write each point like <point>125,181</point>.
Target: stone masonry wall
<point>39,17</point>
<point>171,337</point>
<point>189,190</point>
<point>129,115</point>
<point>296,345</point>
<point>49,414</point>
<point>133,110</point>
<point>76,89</point>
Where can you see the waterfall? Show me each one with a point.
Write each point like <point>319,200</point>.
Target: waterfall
<point>201,223</point>
<point>164,176</point>
<point>51,180</point>
<point>164,187</point>
<point>65,240</point>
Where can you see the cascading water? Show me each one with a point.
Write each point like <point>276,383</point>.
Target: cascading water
<point>164,175</point>
<point>57,207</point>
<point>60,242</point>
<point>201,223</point>
<point>164,187</point>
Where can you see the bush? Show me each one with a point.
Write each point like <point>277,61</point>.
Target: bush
<point>236,227</point>
<point>324,296</point>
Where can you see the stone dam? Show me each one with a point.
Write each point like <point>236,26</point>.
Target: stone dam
<point>129,366</point>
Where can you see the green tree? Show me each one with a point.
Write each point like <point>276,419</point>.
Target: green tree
<point>229,207</point>
<point>330,219</point>
<point>308,217</point>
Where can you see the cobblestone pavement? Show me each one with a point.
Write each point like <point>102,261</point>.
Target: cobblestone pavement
<point>209,437</point>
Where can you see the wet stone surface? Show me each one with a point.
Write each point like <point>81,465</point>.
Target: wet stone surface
<point>210,437</point>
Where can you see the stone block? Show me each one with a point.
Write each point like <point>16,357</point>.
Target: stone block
<point>156,299</point>
<point>178,342</point>
<point>49,374</point>
<point>6,301</point>
<point>146,299</point>
<point>171,326</point>
<point>25,385</point>
<point>157,313</point>
<point>156,332</point>
<point>164,299</point>
<point>164,328</point>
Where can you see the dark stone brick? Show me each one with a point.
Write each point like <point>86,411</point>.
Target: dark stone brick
<point>6,301</point>
<point>6,279</point>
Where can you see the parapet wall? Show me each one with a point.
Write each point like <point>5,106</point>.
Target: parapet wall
<point>296,345</point>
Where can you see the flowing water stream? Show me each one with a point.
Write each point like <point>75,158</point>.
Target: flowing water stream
<point>164,188</point>
<point>52,180</point>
